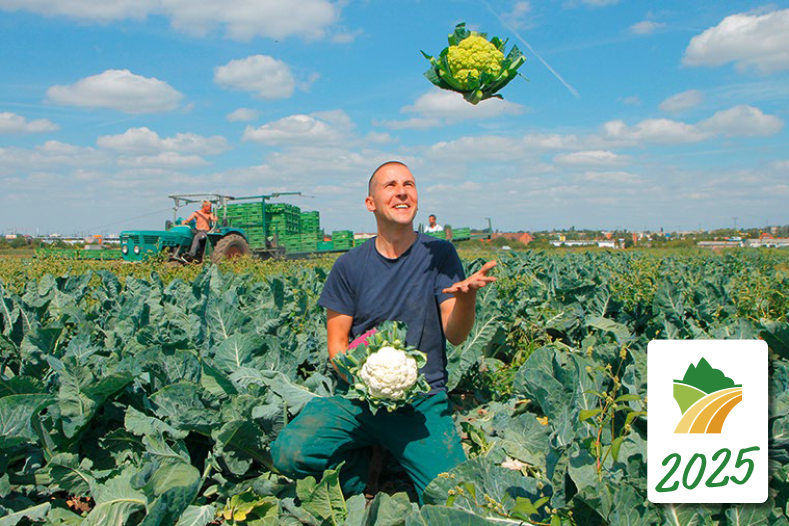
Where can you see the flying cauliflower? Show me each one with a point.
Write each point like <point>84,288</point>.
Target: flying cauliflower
<point>473,65</point>
<point>382,369</point>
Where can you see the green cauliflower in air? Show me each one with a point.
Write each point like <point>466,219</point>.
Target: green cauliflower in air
<point>473,65</point>
<point>381,369</point>
<point>473,57</point>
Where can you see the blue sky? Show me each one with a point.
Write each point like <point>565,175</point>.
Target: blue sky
<point>636,114</point>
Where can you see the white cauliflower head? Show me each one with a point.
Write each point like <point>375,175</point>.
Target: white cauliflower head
<point>389,373</point>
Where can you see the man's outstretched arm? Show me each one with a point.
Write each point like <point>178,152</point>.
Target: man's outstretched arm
<point>457,313</point>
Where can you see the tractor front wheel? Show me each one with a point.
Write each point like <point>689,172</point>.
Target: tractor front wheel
<point>229,247</point>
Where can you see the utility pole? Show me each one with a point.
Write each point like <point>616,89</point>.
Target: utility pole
<point>735,223</point>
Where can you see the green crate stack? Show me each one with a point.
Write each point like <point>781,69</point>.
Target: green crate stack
<point>439,235</point>
<point>283,219</point>
<point>325,245</point>
<point>243,214</point>
<point>342,239</point>
<point>310,222</point>
<point>256,236</point>
<point>461,233</point>
<point>309,241</point>
<point>291,242</point>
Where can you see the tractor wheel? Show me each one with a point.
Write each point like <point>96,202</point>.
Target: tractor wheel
<point>230,246</point>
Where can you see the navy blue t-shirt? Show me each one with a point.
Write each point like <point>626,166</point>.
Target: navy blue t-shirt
<point>373,289</point>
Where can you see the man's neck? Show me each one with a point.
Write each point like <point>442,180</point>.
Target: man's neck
<point>394,240</point>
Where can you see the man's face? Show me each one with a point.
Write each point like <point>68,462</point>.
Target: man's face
<point>394,197</point>
<point>431,220</point>
<point>207,208</point>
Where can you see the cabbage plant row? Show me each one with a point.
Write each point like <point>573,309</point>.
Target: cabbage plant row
<point>144,402</point>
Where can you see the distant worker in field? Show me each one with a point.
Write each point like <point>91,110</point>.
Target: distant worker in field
<point>400,275</point>
<point>432,225</point>
<point>204,220</point>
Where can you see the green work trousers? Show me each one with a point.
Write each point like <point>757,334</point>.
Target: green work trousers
<point>330,430</point>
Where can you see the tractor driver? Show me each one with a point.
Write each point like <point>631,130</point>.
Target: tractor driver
<point>203,219</point>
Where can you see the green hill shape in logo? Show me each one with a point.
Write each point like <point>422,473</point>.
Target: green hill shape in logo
<point>699,381</point>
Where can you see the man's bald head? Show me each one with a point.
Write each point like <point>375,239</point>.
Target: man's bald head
<point>375,172</point>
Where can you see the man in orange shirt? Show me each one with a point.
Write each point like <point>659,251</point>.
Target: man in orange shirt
<point>203,219</point>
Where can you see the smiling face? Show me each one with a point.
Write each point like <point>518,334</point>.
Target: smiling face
<point>393,197</point>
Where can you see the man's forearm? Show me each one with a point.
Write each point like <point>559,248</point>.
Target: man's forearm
<point>461,319</point>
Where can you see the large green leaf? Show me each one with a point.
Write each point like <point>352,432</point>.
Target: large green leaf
<point>70,474</point>
<point>501,484</point>
<point>431,515</point>
<point>749,514</point>
<point>389,510</point>
<point>116,502</point>
<point>16,414</point>
<point>197,516</point>
<point>172,486</point>
<point>323,499</point>
<point>34,513</point>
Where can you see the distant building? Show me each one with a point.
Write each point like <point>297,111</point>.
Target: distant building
<point>522,237</point>
<point>719,244</point>
<point>766,240</point>
<point>575,243</point>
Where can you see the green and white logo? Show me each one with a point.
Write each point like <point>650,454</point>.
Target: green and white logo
<point>705,397</point>
<point>707,431</point>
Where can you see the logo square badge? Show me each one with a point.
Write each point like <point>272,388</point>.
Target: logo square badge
<point>707,427</point>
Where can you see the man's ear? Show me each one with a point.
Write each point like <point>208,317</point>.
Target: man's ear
<point>370,203</point>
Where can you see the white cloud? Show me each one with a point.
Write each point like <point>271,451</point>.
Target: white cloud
<point>682,101</point>
<point>742,121</point>
<point>618,177</point>
<point>450,106</point>
<point>315,129</point>
<point>465,186</point>
<point>501,148</point>
<point>518,18</point>
<point>633,100</point>
<point>146,141</point>
<point>265,76</point>
<point>345,36</point>
<point>171,160</point>
<point>657,131</point>
<point>13,123</point>
<point>379,138</point>
<point>118,90</point>
<point>552,141</point>
<point>241,19</point>
<point>50,155</point>
<point>751,41</point>
<point>591,158</point>
<point>414,123</point>
<point>438,107</point>
<point>480,148</point>
<point>599,3</point>
<point>242,115</point>
<point>646,27</point>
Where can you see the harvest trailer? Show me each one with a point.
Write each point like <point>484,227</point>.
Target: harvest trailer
<point>247,226</point>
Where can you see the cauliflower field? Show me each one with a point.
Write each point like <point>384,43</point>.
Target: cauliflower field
<point>152,399</point>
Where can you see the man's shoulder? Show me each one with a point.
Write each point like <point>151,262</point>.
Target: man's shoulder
<point>355,254</point>
<point>435,242</point>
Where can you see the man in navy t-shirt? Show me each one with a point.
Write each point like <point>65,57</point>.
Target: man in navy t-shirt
<point>404,276</point>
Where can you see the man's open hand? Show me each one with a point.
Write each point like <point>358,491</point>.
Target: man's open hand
<point>474,282</point>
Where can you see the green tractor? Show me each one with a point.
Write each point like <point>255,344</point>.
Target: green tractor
<point>223,242</point>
